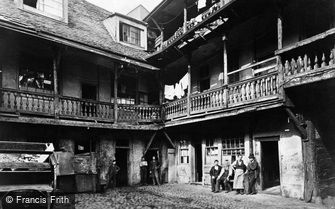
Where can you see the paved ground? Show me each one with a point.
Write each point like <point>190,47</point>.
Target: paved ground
<point>183,196</point>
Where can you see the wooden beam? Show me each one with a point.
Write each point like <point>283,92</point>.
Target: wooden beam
<point>115,93</point>
<point>307,41</point>
<point>185,16</point>
<point>225,61</point>
<point>150,142</point>
<point>75,123</point>
<point>189,89</point>
<point>55,67</point>
<point>280,31</point>
<point>169,139</point>
<point>25,165</point>
<point>297,124</point>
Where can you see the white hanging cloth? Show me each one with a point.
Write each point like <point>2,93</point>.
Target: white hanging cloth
<point>201,4</point>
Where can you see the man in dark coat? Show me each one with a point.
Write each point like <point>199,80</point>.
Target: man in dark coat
<point>144,171</point>
<point>214,173</point>
<point>252,174</point>
<point>112,173</point>
<point>154,171</point>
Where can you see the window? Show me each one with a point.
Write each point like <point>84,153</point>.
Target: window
<point>51,8</point>
<point>211,150</point>
<point>36,74</point>
<point>126,90</point>
<point>234,146</point>
<point>130,34</point>
<point>184,153</point>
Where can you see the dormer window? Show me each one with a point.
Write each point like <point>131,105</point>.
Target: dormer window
<point>56,9</point>
<point>130,34</point>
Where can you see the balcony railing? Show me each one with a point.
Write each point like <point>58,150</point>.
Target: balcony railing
<point>252,90</point>
<point>31,103</point>
<point>208,101</point>
<point>194,23</point>
<point>310,62</point>
<point>176,109</point>
<point>257,89</point>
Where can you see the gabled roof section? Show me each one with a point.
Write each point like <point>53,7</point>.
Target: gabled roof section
<point>85,26</point>
<point>139,12</point>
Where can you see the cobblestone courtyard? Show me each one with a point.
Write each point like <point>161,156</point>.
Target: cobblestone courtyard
<point>183,196</point>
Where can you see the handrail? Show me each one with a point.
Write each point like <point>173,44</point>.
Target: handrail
<point>251,79</point>
<point>252,65</point>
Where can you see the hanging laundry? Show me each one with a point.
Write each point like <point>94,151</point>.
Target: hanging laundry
<point>201,4</point>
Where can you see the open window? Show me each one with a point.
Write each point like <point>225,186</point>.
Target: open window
<point>56,9</point>
<point>36,74</point>
<point>126,90</point>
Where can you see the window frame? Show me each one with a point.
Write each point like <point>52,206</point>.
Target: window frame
<point>122,25</point>
<point>33,10</point>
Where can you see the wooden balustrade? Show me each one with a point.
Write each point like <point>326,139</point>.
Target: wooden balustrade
<point>18,101</point>
<point>175,109</point>
<point>208,101</point>
<point>26,102</point>
<point>309,62</point>
<point>139,113</point>
<point>86,109</point>
<point>254,89</point>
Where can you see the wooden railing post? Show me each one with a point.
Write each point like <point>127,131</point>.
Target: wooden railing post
<point>115,93</point>
<point>189,86</point>
<point>225,70</point>
<point>55,66</point>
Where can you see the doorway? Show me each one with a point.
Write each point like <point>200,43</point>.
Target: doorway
<point>270,163</point>
<point>198,162</point>
<point>121,156</point>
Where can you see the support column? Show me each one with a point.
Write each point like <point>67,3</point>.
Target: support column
<point>280,31</point>
<point>55,69</point>
<point>225,70</point>
<point>185,17</point>
<point>189,88</point>
<point>115,93</point>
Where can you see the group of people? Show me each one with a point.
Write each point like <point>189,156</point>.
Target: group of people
<point>244,176</point>
<point>153,169</point>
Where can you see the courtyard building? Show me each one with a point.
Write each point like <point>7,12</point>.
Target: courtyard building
<point>189,83</point>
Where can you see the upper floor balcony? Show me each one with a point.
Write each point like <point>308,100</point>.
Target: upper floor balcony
<point>260,90</point>
<point>27,103</point>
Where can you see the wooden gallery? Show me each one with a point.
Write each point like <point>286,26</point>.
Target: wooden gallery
<point>192,82</point>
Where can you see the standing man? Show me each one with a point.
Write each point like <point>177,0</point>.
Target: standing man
<point>112,174</point>
<point>154,171</point>
<point>214,173</point>
<point>252,174</point>
<point>144,171</point>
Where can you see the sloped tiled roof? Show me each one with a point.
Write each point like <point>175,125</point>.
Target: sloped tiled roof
<point>84,26</point>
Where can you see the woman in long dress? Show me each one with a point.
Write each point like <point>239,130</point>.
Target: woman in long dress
<point>239,169</point>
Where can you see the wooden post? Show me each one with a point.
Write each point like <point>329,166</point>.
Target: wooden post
<point>161,89</point>
<point>225,70</point>
<point>189,86</point>
<point>225,61</point>
<point>55,68</point>
<point>280,31</point>
<point>185,17</point>
<point>115,93</point>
